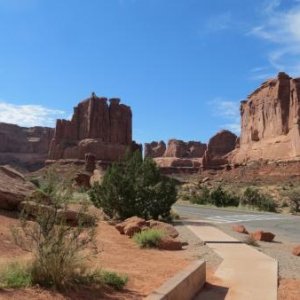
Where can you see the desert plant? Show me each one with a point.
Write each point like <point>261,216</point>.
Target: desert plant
<point>253,198</point>
<point>135,187</point>
<point>249,240</point>
<point>294,196</point>
<point>15,275</point>
<point>149,238</point>
<point>220,197</point>
<point>202,196</point>
<point>113,279</point>
<point>57,246</point>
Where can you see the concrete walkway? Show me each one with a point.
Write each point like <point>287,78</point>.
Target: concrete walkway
<point>245,272</point>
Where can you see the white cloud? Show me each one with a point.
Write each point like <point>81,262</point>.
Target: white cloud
<point>282,29</point>
<point>28,115</point>
<point>230,112</point>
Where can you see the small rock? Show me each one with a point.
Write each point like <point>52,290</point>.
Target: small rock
<point>131,229</point>
<point>167,228</point>
<point>168,243</point>
<point>260,235</point>
<point>296,250</point>
<point>240,229</point>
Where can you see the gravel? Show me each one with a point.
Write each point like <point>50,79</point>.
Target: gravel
<point>289,264</point>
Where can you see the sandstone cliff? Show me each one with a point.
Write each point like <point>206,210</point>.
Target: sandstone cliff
<point>96,127</point>
<point>270,122</point>
<point>24,147</point>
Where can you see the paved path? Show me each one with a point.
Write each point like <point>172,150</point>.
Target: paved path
<point>286,227</point>
<point>245,273</point>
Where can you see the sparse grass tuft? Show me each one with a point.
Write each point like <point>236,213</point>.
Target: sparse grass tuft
<point>251,241</point>
<point>149,238</point>
<point>113,279</point>
<point>15,275</point>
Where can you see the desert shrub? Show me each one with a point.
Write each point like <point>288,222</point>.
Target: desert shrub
<point>201,196</point>
<point>113,279</point>
<point>253,198</point>
<point>249,240</point>
<point>149,238</point>
<point>57,247</point>
<point>294,196</point>
<point>220,197</point>
<point>15,275</point>
<point>135,187</point>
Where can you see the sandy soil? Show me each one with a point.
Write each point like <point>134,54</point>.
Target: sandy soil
<point>146,269</point>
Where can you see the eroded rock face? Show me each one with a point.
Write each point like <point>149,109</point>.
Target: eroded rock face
<point>103,129</point>
<point>181,149</point>
<point>13,188</point>
<point>24,147</point>
<point>155,149</point>
<point>270,122</point>
<point>219,146</point>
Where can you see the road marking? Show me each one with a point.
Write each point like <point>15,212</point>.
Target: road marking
<point>242,218</point>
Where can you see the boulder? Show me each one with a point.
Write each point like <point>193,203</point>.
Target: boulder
<point>296,250</point>
<point>13,188</point>
<point>260,235</point>
<point>240,229</point>
<point>130,222</point>
<point>165,227</point>
<point>82,179</point>
<point>169,243</point>
<point>96,177</point>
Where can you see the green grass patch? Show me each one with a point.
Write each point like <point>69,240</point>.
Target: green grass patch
<point>113,279</point>
<point>149,238</point>
<point>15,275</point>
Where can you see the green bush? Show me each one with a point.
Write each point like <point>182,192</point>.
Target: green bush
<point>293,193</point>
<point>113,279</point>
<point>253,198</point>
<point>15,275</point>
<point>149,238</point>
<point>201,197</point>
<point>220,197</point>
<point>135,187</point>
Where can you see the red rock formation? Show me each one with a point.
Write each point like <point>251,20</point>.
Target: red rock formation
<point>181,149</point>
<point>219,146</point>
<point>24,147</point>
<point>96,127</point>
<point>155,149</point>
<point>270,122</point>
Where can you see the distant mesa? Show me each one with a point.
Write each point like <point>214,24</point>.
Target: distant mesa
<point>98,127</point>
<point>26,148</point>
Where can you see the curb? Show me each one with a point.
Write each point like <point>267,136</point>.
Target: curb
<point>184,285</point>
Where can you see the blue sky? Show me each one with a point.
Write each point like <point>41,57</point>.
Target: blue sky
<point>182,65</point>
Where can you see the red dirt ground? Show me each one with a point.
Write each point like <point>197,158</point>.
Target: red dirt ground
<point>146,269</point>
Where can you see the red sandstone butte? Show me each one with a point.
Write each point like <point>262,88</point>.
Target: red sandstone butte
<point>270,119</point>
<point>219,146</point>
<point>96,127</point>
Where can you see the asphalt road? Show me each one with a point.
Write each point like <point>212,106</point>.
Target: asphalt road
<point>286,227</point>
